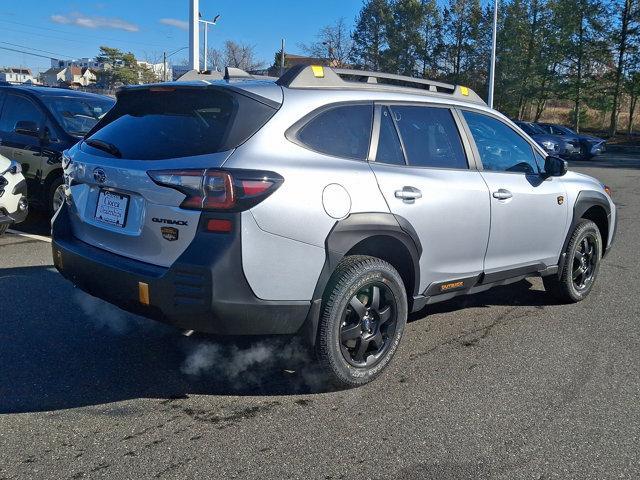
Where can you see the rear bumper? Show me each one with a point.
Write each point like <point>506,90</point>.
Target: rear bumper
<point>204,290</point>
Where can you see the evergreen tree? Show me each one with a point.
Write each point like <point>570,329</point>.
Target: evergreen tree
<point>403,36</point>
<point>582,39</point>
<point>624,38</point>
<point>370,35</point>
<point>432,42</point>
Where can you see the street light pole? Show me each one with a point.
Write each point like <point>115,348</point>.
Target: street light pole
<point>194,35</point>
<point>206,31</point>
<point>492,70</point>
<point>165,57</point>
<point>206,34</point>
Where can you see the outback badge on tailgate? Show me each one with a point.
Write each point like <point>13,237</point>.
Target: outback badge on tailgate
<point>169,233</point>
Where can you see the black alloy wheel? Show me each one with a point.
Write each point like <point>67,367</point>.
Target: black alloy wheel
<point>363,316</point>
<point>584,262</point>
<point>580,269</point>
<point>368,323</point>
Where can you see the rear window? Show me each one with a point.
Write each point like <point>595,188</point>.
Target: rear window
<point>343,131</point>
<point>155,125</point>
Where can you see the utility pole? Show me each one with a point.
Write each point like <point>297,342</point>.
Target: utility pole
<point>194,35</point>
<point>282,59</point>
<point>164,66</point>
<point>492,70</point>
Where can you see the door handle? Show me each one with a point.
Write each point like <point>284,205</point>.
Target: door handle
<point>408,194</point>
<point>502,194</point>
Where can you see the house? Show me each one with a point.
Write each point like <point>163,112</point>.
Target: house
<point>16,75</point>
<point>69,77</point>
<point>79,77</point>
<point>84,62</point>
<point>158,69</point>
<point>53,77</point>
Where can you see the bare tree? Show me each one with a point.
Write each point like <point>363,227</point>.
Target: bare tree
<point>333,42</point>
<point>233,54</point>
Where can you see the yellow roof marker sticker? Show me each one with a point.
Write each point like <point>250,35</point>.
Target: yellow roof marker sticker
<point>464,91</point>
<point>318,71</point>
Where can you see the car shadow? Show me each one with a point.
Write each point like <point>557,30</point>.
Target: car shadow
<point>61,348</point>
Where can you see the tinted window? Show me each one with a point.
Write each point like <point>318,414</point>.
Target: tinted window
<point>563,130</point>
<point>78,115</point>
<point>342,131</point>
<point>501,148</point>
<point>170,123</point>
<point>17,108</point>
<point>430,137</point>
<point>389,148</point>
<point>530,128</point>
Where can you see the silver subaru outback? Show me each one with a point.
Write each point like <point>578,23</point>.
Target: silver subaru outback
<point>328,203</point>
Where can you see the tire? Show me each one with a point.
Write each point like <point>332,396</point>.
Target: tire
<point>52,191</point>
<point>3,228</point>
<point>357,334</point>
<point>581,266</point>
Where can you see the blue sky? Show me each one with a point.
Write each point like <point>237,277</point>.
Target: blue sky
<point>75,29</point>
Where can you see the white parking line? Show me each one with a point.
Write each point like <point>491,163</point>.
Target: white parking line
<point>30,235</point>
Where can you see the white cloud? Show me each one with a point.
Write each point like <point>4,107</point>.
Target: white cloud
<point>174,22</point>
<point>94,21</point>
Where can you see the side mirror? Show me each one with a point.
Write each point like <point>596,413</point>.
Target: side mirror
<point>27,127</point>
<point>555,166</point>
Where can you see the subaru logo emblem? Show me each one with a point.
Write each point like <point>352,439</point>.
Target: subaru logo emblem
<point>99,175</point>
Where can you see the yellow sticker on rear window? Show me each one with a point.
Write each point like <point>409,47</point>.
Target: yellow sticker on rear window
<point>318,71</point>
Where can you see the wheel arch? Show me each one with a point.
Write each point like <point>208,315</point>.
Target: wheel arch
<point>589,205</point>
<point>383,235</point>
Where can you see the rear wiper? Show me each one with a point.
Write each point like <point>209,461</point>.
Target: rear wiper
<point>104,146</point>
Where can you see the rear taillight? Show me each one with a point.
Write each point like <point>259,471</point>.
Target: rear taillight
<point>211,189</point>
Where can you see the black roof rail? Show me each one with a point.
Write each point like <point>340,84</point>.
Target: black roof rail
<point>314,76</point>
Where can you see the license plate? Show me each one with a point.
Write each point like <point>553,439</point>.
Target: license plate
<point>112,208</point>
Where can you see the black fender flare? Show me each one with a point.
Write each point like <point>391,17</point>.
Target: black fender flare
<point>584,201</point>
<point>350,231</point>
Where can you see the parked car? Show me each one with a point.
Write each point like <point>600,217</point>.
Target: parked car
<point>588,145</point>
<point>328,204</point>
<point>553,144</point>
<point>36,125</point>
<point>13,194</point>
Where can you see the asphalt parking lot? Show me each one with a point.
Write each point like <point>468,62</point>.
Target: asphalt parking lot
<point>506,384</point>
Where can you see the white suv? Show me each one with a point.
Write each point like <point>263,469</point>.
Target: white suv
<point>13,194</point>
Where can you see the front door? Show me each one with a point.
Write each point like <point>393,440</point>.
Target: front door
<point>529,214</point>
<point>422,168</point>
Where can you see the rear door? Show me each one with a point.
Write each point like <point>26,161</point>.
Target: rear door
<point>528,211</point>
<point>426,174</point>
